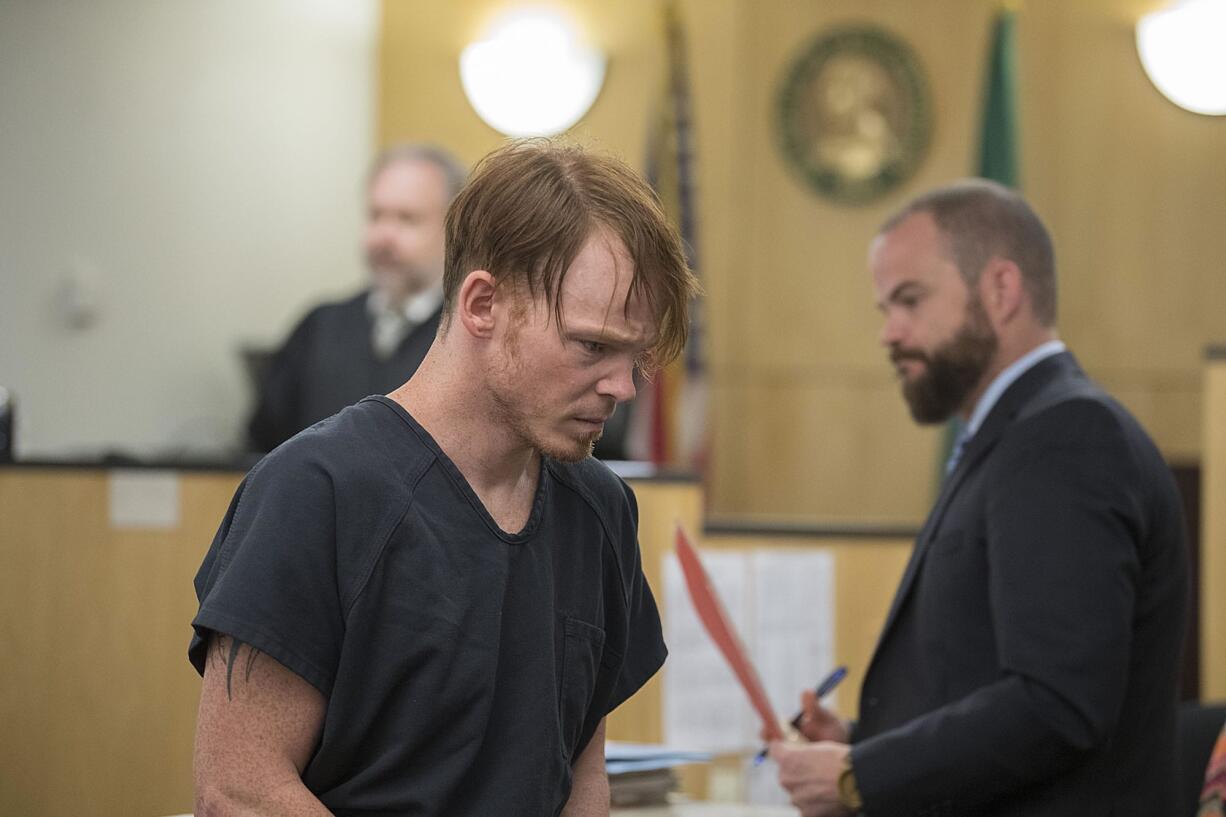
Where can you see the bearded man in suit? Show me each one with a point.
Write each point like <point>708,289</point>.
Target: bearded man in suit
<point>1029,662</point>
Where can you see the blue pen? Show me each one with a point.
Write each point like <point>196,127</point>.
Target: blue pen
<point>823,689</point>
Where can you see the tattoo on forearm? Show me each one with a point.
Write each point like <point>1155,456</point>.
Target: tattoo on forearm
<point>231,659</point>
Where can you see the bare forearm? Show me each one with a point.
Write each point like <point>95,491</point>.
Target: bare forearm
<point>589,794</point>
<point>291,799</point>
<point>589,797</point>
<point>257,725</point>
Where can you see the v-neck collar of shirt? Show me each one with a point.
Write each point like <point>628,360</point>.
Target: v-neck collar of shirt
<point>462,484</point>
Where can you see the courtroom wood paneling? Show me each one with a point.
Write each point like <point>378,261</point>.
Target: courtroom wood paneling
<point>98,710</point>
<point>809,424</point>
<point>1127,182</point>
<point>1213,540</point>
<point>1168,404</point>
<point>826,447</point>
<point>1130,185</point>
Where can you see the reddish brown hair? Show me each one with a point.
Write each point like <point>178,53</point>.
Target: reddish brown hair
<point>530,206</point>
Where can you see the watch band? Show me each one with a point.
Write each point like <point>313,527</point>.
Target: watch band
<point>849,790</point>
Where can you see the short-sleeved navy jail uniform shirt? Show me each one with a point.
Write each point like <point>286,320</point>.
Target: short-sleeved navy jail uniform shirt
<point>464,668</point>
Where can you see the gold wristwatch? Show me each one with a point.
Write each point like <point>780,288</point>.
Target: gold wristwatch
<point>849,792</point>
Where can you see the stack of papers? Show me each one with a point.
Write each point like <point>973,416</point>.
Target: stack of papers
<point>641,774</point>
<point>636,757</point>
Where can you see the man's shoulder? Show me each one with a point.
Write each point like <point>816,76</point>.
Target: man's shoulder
<point>1070,418</point>
<point>358,448</point>
<point>1061,380</point>
<point>601,489</point>
<point>591,477</point>
<point>343,308</point>
<point>611,501</point>
<point>1070,397</point>
<point>1052,394</point>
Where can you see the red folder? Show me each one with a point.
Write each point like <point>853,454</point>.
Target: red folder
<point>715,619</point>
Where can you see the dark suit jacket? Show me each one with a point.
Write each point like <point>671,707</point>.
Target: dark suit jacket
<point>1028,664</point>
<point>327,364</point>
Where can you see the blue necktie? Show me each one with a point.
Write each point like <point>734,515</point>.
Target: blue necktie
<point>955,452</point>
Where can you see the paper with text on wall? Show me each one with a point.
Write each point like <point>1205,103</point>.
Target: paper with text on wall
<point>715,619</point>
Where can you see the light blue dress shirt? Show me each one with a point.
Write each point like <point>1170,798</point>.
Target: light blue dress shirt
<point>995,389</point>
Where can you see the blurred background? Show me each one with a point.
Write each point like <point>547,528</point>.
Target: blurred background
<point>180,180</point>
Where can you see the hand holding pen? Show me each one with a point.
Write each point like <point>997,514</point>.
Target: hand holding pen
<point>823,689</point>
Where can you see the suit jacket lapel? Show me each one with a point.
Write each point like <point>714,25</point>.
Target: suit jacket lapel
<point>1006,410</point>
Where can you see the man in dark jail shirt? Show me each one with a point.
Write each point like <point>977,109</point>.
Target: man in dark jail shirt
<point>428,603</point>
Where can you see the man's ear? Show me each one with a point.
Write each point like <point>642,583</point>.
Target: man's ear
<point>475,304</point>
<point>1002,290</point>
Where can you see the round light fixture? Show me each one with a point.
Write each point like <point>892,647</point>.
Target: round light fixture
<point>1183,50</point>
<point>531,75</point>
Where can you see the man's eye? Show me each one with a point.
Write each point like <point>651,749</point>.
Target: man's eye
<point>594,347</point>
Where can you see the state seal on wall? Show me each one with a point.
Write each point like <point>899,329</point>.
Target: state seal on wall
<point>854,114</point>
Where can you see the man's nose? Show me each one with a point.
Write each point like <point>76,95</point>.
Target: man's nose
<point>619,383</point>
<point>378,231</point>
<point>892,333</point>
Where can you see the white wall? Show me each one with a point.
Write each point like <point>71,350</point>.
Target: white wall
<point>195,167</point>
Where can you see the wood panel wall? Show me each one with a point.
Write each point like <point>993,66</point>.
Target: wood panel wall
<point>99,703</point>
<point>807,421</point>
<point>1213,538</point>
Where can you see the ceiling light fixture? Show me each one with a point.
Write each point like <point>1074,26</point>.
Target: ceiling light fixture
<point>531,75</point>
<point>1183,50</point>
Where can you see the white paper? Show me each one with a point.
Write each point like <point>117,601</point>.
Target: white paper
<point>781,602</point>
<point>793,616</point>
<point>143,499</point>
<point>704,705</point>
<point>762,784</point>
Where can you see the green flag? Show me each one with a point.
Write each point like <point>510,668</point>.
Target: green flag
<point>998,159</point>
<point>998,133</point>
